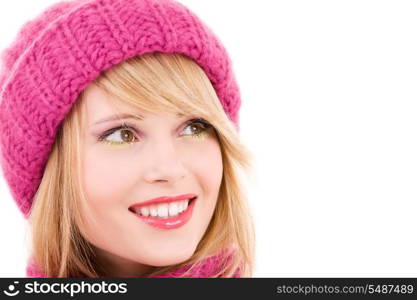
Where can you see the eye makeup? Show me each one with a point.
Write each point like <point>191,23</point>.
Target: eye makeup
<point>199,129</point>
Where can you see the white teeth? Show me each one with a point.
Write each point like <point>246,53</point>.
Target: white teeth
<point>154,210</point>
<point>164,210</point>
<point>144,211</point>
<point>173,209</point>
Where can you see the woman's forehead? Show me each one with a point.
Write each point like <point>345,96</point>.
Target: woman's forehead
<point>102,107</point>
<point>100,104</point>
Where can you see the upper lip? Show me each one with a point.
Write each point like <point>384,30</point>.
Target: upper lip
<point>164,199</point>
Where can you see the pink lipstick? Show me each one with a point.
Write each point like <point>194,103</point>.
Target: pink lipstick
<point>169,222</point>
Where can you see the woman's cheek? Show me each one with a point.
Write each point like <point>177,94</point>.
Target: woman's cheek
<point>208,160</point>
<point>104,177</point>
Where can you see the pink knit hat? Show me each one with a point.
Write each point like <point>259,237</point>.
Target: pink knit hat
<point>56,56</point>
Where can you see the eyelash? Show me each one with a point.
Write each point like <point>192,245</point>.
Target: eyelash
<point>102,138</point>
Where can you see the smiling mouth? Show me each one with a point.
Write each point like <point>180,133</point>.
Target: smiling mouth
<point>164,210</point>
<point>167,221</point>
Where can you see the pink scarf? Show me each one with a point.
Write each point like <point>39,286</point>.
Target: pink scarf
<point>204,269</point>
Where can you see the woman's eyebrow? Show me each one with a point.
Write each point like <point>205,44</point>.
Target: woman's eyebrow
<point>127,116</point>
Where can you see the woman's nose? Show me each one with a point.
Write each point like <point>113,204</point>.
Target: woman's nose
<point>163,162</point>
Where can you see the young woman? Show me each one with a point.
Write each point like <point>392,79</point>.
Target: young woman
<point>119,139</point>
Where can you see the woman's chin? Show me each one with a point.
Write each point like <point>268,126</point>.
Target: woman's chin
<point>164,259</point>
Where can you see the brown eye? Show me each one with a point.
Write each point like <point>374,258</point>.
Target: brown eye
<point>119,136</point>
<point>198,128</point>
<point>127,135</point>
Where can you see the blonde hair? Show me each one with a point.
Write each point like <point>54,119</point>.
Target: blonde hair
<point>156,82</point>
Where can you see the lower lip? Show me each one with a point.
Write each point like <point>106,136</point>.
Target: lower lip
<point>170,223</point>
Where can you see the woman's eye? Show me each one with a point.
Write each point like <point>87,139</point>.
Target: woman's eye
<point>198,128</point>
<point>121,135</point>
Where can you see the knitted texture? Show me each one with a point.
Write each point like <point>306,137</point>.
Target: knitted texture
<point>56,56</point>
<point>204,269</point>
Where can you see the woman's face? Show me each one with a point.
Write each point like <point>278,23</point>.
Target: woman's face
<point>160,155</point>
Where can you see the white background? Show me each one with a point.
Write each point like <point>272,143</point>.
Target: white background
<point>329,109</point>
